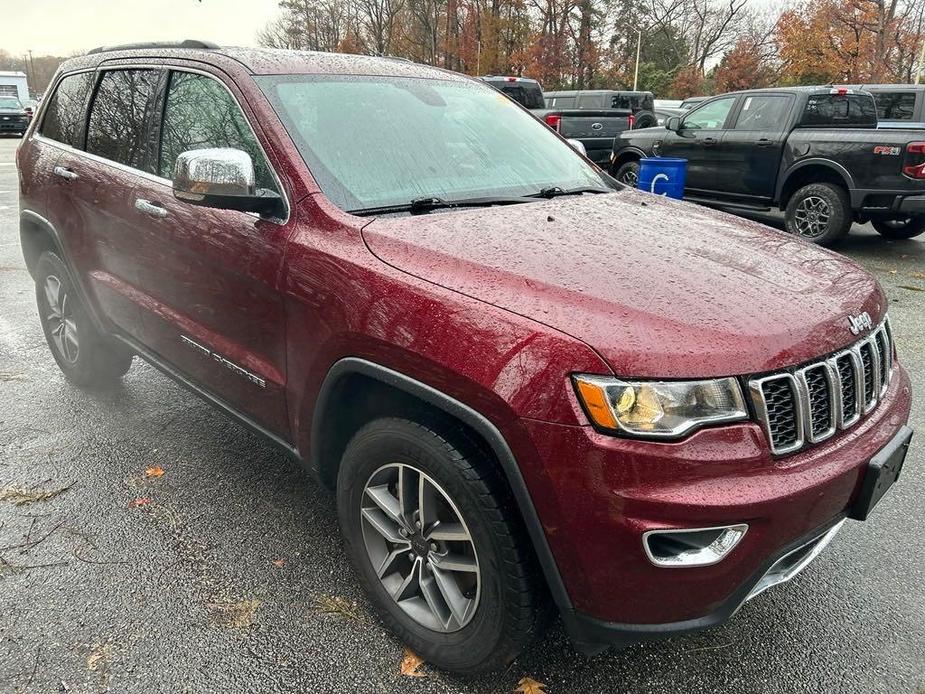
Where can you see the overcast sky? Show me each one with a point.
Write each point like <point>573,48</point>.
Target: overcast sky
<point>62,27</point>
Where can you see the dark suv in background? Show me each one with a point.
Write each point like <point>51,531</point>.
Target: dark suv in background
<point>522,396</point>
<point>13,116</point>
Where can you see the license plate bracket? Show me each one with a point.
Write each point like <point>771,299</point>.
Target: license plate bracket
<point>882,472</point>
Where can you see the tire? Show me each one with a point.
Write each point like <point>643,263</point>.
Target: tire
<point>87,358</point>
<point>628,174</point>
<point>899,229</point>
<point>819,213</point>
<point>500,610</point>
<point>646,120</point>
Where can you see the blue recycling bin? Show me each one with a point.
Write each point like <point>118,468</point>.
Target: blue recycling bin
<point>663,176</point>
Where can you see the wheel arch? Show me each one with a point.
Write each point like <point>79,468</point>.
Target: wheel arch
<point>332,426</point>
<point>812,171</point>
<point>36,236</point>
<point>625,155</point>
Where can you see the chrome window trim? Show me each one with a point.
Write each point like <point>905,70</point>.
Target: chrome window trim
<point>856,374</point>
<point>104,66</point>
<point>756,389</point>
<point>834,399</point>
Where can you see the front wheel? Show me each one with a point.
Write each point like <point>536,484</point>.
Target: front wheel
<point>899,229</point>
<point>427,523</point>
<point>628,174</point>
<point>819,213</point>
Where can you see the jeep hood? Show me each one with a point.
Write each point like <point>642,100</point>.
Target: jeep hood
<point>659,288</point>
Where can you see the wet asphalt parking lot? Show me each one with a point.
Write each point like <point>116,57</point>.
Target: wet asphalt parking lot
<point>226,574</point>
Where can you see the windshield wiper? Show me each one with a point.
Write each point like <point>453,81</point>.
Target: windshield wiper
<point>556,191</point>
<point>422,205</point>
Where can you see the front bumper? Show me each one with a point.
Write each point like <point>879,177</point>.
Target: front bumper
<point>598,495</point>
<point>13,125</point>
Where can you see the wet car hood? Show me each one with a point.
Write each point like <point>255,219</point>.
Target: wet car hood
<point>659,288</point>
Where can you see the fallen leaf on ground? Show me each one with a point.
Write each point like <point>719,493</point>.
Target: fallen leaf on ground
<point>141,501</point>
<point>236,615</point>
<point>410,663</point>
<point>528,685</point>
<point>154,472</point>
<point>917,275</point>
<point>20,495</point>
<point>9,376</point>
<point>98,657</point>
<point>911,288</point>
<point>279,563</point>
<point>334,604</point>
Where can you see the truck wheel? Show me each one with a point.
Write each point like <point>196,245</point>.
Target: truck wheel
<point>904,228</point>
<point>428,525</point>
<point>819,212</point>
<point>87,358</point>
<point>628,174</point>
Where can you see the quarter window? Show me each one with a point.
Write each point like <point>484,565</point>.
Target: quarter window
<point>200,114</point>
<point>118,125</point>
<point>895,105</point>
<point>711,116</point>
<point>64,115</point>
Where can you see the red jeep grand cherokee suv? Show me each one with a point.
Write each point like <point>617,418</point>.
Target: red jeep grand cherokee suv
<point>522,379</point>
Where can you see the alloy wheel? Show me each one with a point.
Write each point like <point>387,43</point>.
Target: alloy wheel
<point>630,178</point>
<point>420,547</point>
<point>812,217</point>
<point>60,320</point>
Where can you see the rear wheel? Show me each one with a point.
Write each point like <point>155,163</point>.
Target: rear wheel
<point>819,212</point>
<point>428,525</point>
<point>86,357</point>
<point>898,229</point>
<point>628,174</point>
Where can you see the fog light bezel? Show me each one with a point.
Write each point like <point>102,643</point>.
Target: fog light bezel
<point>707,555</point>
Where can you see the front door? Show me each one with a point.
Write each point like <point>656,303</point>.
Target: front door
<point>212,307</point>
<point>699,140</point>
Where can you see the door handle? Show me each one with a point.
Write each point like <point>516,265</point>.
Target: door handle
<point>765,142</point>
<point>709,141</point>
<point>150,209</point>
<point>64,173</point>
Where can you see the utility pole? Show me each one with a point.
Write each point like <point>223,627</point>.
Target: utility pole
<point>32,69</point>
<point>636,72</point>
<point>920,68</point>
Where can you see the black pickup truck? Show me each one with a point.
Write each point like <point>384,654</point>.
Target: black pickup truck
<point>813,152</point>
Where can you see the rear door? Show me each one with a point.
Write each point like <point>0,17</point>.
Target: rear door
<point>211,303</point>
<point>753,146</point>
<point>699,140</point>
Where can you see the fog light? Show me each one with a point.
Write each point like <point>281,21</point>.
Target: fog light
<point>692,547</point>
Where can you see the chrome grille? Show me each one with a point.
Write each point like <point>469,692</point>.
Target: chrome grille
<point>810,404</point>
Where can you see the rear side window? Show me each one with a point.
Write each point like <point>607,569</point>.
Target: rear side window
<point>895,105</point>
<point>768,113</point>
<point>64,115</point>
<point>119,116</point>
<point>528,97</point>
<point>200,114</point>
<point>591,101</point>
<point>561,102</point>
<point>840,110</point>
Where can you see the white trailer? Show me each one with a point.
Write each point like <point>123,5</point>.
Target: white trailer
<point>14,84</point>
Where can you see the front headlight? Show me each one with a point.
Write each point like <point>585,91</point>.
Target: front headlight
<point>659,409</point>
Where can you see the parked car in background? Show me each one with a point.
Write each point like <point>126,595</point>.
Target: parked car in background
<point>595,117</point>
<point>521,394</point>
<point>524,91</point>
<point>662,113</point>
<point>814,152</point>
<point>14,120</point>
<point>898,105</point>
<point>667,103</point>
<point>692,101</point>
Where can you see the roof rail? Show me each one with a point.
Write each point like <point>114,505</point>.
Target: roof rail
<point>188,43</point>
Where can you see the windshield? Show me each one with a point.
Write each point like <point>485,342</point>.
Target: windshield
<point>382,141</point>
<point>9,102</point>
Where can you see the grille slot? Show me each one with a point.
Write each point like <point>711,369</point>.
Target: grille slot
<point>809,405</point>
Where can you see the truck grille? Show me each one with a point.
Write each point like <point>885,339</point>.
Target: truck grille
<point>808,405</point>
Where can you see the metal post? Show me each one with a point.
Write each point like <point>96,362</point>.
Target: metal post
<point>636,72</point>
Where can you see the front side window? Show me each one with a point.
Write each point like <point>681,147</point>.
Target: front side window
<point>381,141</point>
<point>119,116</point>
<point>895,105</point>
<point>768,113</point>
<point>64,115</point>
<point>201,114</point>
<point>711,116</point>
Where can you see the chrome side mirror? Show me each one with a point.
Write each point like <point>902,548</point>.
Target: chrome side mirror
<point>578,146</point>
<point>221,177</point>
